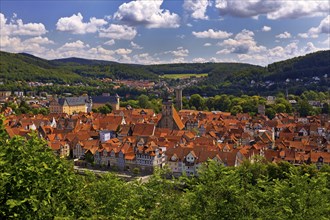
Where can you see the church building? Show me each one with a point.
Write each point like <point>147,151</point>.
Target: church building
<point>170,118</point>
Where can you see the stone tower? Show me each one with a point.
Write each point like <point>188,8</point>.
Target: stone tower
<point>178,98</point>
<point>170,118</point>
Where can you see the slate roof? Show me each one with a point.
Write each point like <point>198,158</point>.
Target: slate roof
<point>73,101</point>
<point>104,99</point>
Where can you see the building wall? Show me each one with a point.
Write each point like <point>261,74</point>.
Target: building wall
<point>5,93</point>
<point>72,109</point>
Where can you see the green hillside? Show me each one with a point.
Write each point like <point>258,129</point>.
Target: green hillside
<point>304,73</point>
<point>24,67</point>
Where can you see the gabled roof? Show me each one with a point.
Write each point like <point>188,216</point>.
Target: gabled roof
<point>143,129</point>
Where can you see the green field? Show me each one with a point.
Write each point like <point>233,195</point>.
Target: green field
<point>183,75</point>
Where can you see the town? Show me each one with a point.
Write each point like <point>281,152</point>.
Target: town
<point>139,140</point>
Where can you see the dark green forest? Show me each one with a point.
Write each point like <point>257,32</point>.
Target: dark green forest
<point>35,184</point>
<point>296,75</point>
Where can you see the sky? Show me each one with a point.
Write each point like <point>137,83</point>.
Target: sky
<point>166,31</point>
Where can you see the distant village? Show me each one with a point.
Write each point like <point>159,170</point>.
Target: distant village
<point>139,139</point>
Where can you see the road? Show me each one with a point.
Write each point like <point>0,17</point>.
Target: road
<point>126,177</point>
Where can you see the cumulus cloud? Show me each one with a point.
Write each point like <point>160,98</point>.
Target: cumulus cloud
<point>12,31</point>
<point>99,53</point>
<point>118,32</point>
<point>16,27</point>
<point>179,52</point>
<point>39,40</point>
<point>123,51</point>
<point>146,58</point>
<point>323,28</point>
<point>75,24</point>
<point>266,29</point>
<point>71,46</point>
<point>32,45</point>
<point>291,50</point>
<point>273,9</point>
<point>199,60</point>
<point>242,43</point>
<point>148,14</point>
<point>136,46</point>
<point>207,44</point>
<point>284,35</point>
<point>197,8</point>
<point>327,41</point>
<point>212,34</point>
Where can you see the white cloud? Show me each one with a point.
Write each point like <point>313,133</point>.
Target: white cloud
<point>145,58</point>
<point>110,42</point>
<point>118,32</point>
<point>207,44</point>
<point>39,40</point>
<point>34,45</point>
<point>136,46</point>
<point>266,29</point>
<point>197,8</point>
<point>212,34</point>
<point>178,60</point>
<point>189,25</point>
<point>71,46</point>
<point>224,51</point>
<point>75,24</point>
<point>179,52</point>
<point>323,28</point>
<point>148,14</point>
<point>11,32</point>
<point>327,41</point>
<point>222,60</point>
<point>199,60</point>
<point>248,57</point>
<point>305,35</point>
<point>284,35</point>
<point>273,9</point>
<point>16,27</point>
<point>99,53</point>
<point>123,51</point>
<point>291,50</point>
<point>242,43</point>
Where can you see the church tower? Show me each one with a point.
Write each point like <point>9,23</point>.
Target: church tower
<point>170,117</point>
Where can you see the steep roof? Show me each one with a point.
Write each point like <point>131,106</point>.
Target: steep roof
<point>177,119</point>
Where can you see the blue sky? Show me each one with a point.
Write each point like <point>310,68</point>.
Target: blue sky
<point>166,31</point>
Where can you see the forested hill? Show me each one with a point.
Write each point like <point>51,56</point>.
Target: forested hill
<point>28,67</point>
<point>309,72</point>
<point>311,65</point>
<point>306,72</point>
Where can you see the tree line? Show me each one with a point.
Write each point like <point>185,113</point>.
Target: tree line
<point>242,104</point>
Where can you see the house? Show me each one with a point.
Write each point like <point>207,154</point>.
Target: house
<point>19,93</point>
<point>5,94</point>
<point>150,156</point>
<point>70,105</point>
<point>60,148</point>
